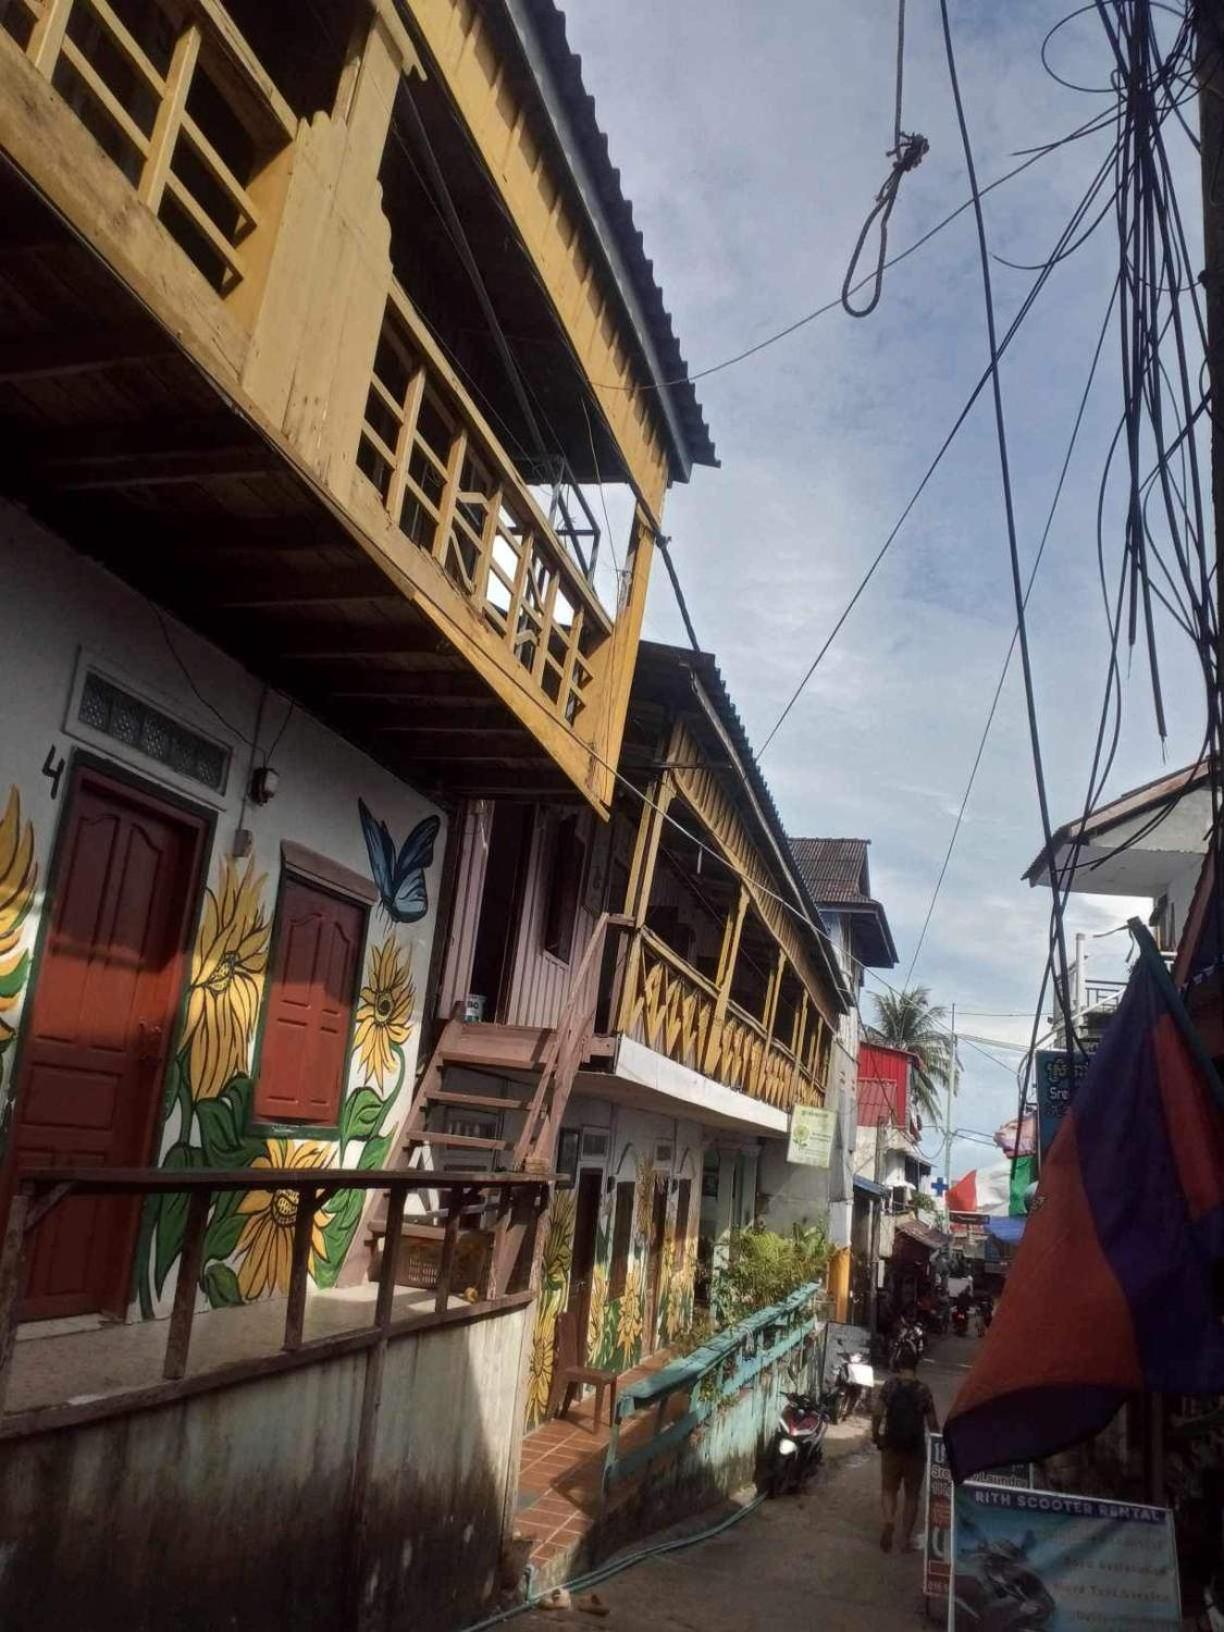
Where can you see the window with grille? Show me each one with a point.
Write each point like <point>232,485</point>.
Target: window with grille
<point>116,713</point>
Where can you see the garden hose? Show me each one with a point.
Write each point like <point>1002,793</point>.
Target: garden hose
<point>596,1577</point>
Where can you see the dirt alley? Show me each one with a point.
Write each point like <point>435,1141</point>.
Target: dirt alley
<point>803,1563</point>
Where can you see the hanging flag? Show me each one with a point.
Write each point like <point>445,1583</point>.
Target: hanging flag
<point>1117,1285</point>
<point>997,1191</point>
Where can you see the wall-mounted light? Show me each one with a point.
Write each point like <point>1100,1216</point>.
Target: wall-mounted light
<point>264,783</point>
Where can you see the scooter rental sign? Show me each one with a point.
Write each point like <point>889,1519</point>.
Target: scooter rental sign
<point>937,1549</point>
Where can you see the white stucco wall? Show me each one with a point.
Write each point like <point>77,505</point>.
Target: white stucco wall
<point>63,613</point>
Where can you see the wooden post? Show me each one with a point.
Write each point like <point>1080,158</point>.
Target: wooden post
<point>12,1280</point>
<point>179,1340</point>
<point>299,1271</point>
<point>774,992</point>
<point>44,47</point>
<point>641,875</point>
<point>732,932</point>
<point>169,117</point>
<point>371,1399</point>
<point>450,1238</point>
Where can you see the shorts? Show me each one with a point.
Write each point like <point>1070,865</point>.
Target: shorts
<point>899,1468</point>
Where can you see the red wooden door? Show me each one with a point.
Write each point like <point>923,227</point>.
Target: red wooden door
<point>312,984</point>
<point>102,1011</point>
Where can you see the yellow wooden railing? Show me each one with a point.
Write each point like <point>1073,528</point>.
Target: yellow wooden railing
<point>671,1008</point>
<point>450,487</point>
<point>179,102</point>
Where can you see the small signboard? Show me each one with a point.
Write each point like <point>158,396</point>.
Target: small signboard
<point>1055,1087</point>
<point>811,1136</point>
<point>1060,1562</point>
<point>937,1548</point>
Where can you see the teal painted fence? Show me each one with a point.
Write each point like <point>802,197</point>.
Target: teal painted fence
<point>731,1390</point>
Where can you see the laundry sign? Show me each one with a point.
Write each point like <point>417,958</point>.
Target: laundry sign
<point>811,1136</point>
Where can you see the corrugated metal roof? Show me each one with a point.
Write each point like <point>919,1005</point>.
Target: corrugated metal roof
<point>877,1101</point>
<point>836,876</point>
<point>547,22</point>
<point>834,870</point>
<point>705,666</point>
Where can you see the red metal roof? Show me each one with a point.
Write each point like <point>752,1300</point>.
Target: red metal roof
<point>883,1085</point>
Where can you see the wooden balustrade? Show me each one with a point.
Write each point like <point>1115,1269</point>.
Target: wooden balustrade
<point>671,1008</point>
<point>449,486</point>
<point>41,1191</point>
<point>179,102</point>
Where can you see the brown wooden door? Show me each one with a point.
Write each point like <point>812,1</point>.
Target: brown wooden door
<point>586,1232</point>
<point>102,1011</point>
<point>312,984</point>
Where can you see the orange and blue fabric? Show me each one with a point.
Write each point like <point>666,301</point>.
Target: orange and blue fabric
<point>1118,1285</point>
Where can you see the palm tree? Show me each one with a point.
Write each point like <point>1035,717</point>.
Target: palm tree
<point>911,1021</point>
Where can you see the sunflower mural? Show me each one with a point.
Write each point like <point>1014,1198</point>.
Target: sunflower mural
<point>597,1314</point>
<point>18,877</point>
<point>227,973</point>
<point>265,1246</point>
<point>207,1110</point>
<point>629,1316</point>
<point>554,1289</point>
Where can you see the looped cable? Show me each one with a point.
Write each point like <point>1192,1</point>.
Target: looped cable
<point>907,153</point>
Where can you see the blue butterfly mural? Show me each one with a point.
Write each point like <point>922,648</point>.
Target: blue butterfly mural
<point>400,879</point>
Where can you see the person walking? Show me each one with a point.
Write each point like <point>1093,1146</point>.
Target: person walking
<point>903,1411</point>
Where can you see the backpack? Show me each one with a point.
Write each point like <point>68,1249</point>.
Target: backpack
<point>904,1415</point>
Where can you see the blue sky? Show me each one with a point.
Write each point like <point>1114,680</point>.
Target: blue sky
<point>751,140</point>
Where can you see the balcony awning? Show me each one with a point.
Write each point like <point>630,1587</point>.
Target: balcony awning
<point>869,1187</point>
<point>642,1077</point>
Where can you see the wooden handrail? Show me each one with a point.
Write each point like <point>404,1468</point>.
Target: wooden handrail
<point>41,1190</point>
<point>207,42</point>
<point>490,447</point>
<point>670,956</point>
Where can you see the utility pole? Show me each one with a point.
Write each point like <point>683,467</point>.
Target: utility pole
<point>951,1095</point>
<point>1209,16</point>
<point>877,1213</point>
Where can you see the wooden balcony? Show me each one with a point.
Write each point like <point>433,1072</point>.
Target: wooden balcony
<point>443,479</point>
<point>262,433</point>
<point>673,1009</point>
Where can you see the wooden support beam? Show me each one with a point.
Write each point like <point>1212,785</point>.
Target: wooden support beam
<point>309,643</point>
<point>58,354</point>
<point>732,933</point>
<point>446,1264</point>
<point>146,455</point>
<point>373,685</point>
<point>299,1272</point>
<point>440,744</point>
<point>253,591</point>
<point>186,1288</point>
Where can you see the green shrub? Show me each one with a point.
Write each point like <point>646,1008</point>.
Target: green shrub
<point>764,1268</point>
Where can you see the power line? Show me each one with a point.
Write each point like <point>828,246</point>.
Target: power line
<point>1030,298</point>
<point>1005,475</point>
<point>1011,645</point>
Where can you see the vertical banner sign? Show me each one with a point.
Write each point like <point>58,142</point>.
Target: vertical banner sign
<point>1055,1088</point>
<point>1042,1558</point>
<point>937,1551</point>
<point>811,1136</point>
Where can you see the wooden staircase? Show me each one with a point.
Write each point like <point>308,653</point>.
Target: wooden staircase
<point>550,1055</point>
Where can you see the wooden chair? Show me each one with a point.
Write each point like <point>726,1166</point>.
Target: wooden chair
<point>568,1376</point>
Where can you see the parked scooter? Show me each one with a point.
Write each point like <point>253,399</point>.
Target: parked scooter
<point>798,1447</point>
<point>909,1335</point>
<point>845,1395</point>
